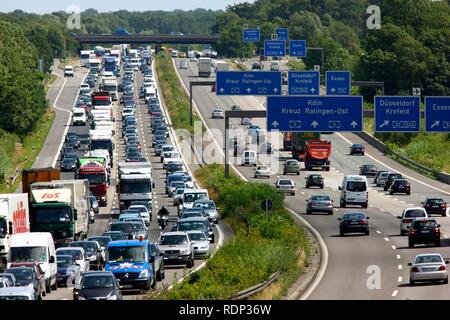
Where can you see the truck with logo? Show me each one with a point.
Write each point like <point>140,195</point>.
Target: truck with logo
<point>317,153</point>
<point>95,171</point>
<point>134,183</point>
<point>60,207</point>
<point>14,218</point>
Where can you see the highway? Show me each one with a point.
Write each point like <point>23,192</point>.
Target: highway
<point>352,259</point>
<point>64,100</point>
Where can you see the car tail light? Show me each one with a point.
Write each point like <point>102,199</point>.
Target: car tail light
<point>362,222</point>
<point>436,230</point>
<point>412,231</point>
<point>414,269</point>
<point>443,206</point>
<point>442,268</point>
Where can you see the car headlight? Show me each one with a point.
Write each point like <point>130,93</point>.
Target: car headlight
<point>114,297</point>
<point>143,274</point>
<point>31,285</point>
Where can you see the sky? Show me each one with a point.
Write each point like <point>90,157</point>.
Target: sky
<point>47,6</point>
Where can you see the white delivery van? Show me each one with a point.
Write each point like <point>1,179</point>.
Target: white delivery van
<point>249,157</point>
<point>36,247</point>
<point>79,116</point>
<point>68,71</point>
<point>354,191</point>
<point>191,195</point>
<point>275,66</point>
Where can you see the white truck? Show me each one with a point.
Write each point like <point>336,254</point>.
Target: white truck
<point>204,67</point>
<point>14,218</point>
<point>60,207</point>
<point>79,116</point>
<point>110,85</point>
<point>135,183</point>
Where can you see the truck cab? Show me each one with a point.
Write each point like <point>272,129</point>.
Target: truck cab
<point>94,170</point>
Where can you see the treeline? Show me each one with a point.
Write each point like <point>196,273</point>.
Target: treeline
<point>410,50</point>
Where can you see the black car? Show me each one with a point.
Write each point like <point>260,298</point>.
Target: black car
<point>353,223</point>
<point>435,206</point>
<point>256,66</point>
<point>390,178</point>
<point>379,172</point>
<point>424,231</point>
<point>67,150</point>
<point>159,139</point>
<point>368,170</point>
<point>72,143</point>
<point>132,148</point>
<point>102,240</point>
<point>97,286</point>
<point>93,252</point>
<point>400,186</point>
<point>94,204</point>
<point>314,180</point>
<point>173,166</point>
<point>357,148</point>
<point>69,164</point>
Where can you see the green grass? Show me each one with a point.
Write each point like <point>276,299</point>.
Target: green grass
<point>296,65</point>
<point>262,246</point>
<point>19,153</point>
<point>175,97</point>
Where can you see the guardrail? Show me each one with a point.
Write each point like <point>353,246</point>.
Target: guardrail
<point>441,176</point>
<point>255,289</point>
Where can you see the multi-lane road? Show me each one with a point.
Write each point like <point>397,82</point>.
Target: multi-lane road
<point>359,267</point>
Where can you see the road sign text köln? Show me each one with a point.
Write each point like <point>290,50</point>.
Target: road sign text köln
<point>248,83</point>
<point>251,35</point>
<point>397,114</point>
<point>315,113</point>
<point>303,82</point>
<point>437,114</point>
<point>274,48</point>
<point>337,83</point>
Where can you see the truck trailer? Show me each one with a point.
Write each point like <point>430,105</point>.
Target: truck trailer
<point>204,67</point>
<point>135,183</point>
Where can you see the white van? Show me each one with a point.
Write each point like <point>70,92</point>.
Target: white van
<point>150,92</point>
<point>79,116</point>
<point>354,191</point>
<point>275,66</point>
<point>249,157</point>
<point>68,71</point>
<point>191,195</point>
<point>35,247</point>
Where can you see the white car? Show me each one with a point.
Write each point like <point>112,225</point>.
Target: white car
<point>202,246</point>
<point>78,254</point>
<point>79,116</point>
<point>217,114</point>
<point>189,182</point>
<point>428,267</point>
<point>127,112</point>
<point>408,216</point>
<point>85,89</point>
<point>145,215</point>
<point>249,157</point>
<point>262,171</point>
<point>171,156</point>
<point>285,186</point>
<point>68,71</point>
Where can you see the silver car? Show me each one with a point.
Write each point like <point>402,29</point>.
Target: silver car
<point>285,186</point>
<point>408,216</point>
<point>209,207</point>
<point>177,248</point>
<point>201,243</point>
<point>428,267</point>
<point>262,171</point>
<point>381,180</point>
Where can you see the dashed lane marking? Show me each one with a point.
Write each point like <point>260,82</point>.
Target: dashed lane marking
<point>400,267</point>
<point>394,294</point>
<point>378,231</point>
<point>398,257</point>
<point>393,247</point>
<point>400,279</point>
<point>386,239</point>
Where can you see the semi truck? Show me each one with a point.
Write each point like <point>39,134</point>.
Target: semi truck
<point>111,65</point>
<point>95,171</point>
<point>135,183</point>
<point>38,175</point>
<point>14,218</point>
<point>60,207</point>
<point>110,86</point>
<point>204,67</point>
<point>102,140</point>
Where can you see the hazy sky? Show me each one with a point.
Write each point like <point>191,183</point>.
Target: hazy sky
<point>46,6</point>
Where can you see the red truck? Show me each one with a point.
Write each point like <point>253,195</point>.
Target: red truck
<point>317,153</point>
<point>102,101</point>
<point>97,174</point>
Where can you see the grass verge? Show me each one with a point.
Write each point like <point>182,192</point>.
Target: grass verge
<point>262,246</point>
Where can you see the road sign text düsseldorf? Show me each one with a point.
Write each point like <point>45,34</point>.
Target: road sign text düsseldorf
<point>397,114</point>
<point>303,82</point>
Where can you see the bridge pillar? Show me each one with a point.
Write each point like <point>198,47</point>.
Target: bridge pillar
<point>157,48</point>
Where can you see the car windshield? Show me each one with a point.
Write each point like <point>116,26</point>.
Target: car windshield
<point>395,176</point>
<point>424,224</point>
<point>400,182</point>
<point>14,298</point>
<point>315,177</point>
<point>173,240</point>
<point>95,178</point>
<point>86,245</point>
<point>28,254</point>
<point>355,216</point>
<point>292,163</point>
<point>114,235</point>
<point>415,214</point>
<point>356,186</point>
<point>358,146</point>
<point>136,187</point>
<point>435,202</point>
<point>97,282</point>
<point>191,197</point>
<point>429,259</point>
<point>189,226</point>
<point>191,214</point>
<point>197,236</point>
<point>138,226</point>
<point>76,254</point>
<point>22,273</point>
<point>205,205</point>
<point>64,262</point>
<point>127,254</point>
<point>285,182</point>
<point>320,198</point>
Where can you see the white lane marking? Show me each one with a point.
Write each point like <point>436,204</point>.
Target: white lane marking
<point>378,231</point>
<point>445,236</point>
<point>394,170</point>
<point>398,257</point>
<point>302,193</point>
<point>393,247</point>
<point>372,206</point>
<point>382,210</point>
<point>400,267</point>
<point>386,239</point>
<point>394,294</point>
<point>410,204</point>
<point>389,196</point>
<point>400,279</point>
<point>395,199</point>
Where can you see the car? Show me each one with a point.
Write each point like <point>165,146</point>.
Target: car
<point>145,214</point>
<point>78,253</point>
<point>291,166</point>
<point>124,227</point>
<point>249,157</point>
<point>217,114</point>
<point>144,203</point>
<point>285,186</point>
<point>428,267</point>
<point>368,170</point>
<point>28,276</point>
<point>18,293</point>
<point>314,180</point>
<point>256,66</point>
<point>378,175</point>
<point>400,186</point>
<point>196,223</point>
<point>246,121</point>
<point>170,156</point>
<point>183,64</point>
<point>177,196</point>
<point>357,148</point>
<point>192,213</point>
<point>381,179</point>
<point>174,185</point>
<point>262,171</point>
<point>174,166</point>
<point>67,150</point>
<point>73,140</point>
<point>202,247</point>
<point>177,248</point>
<point>94,204</point>
<point>236,108</point>
<point>68,71</point>
<point>157,260</point>
<point>93,253</point>
<point>101,285</point>
<point>390,178</point>
<point>68,164</point>
<point>408,216</point>
<point>102,241</point>
<point>319,203</point>
<point>115,235</point>
<point>424,231</point>
<point>68,270</point>
<point>435,206</point>
<point>353,222</point>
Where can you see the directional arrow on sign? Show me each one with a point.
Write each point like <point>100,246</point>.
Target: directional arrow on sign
<point>275,124</point>
<point>313,90</point>
<point>248,90</point>
<point>385,123</point>
<point>354,124</point>
<point>222,90</point>
<point>275,90</point>
<point>314,124</point>
<point>436,124</point>
<point>333,90</point>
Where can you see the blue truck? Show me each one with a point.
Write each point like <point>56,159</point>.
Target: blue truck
<point>133,264</point>
<point>111,65</point>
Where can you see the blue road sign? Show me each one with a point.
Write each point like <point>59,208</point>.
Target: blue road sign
<point>248,83</point>
<point>315,113</point>
<point>337,83</point>
<point>297,48</point>
<point>251,35</point>
<point>397,114</point>
<point>437,114</point>
<point>274,48</point>
<point>282,34</point>
<point>303,82</point>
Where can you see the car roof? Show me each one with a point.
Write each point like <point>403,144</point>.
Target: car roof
<point>193,219</point>
<point>97,273</point>
<point>70,248</point>
<point>174,233</point>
